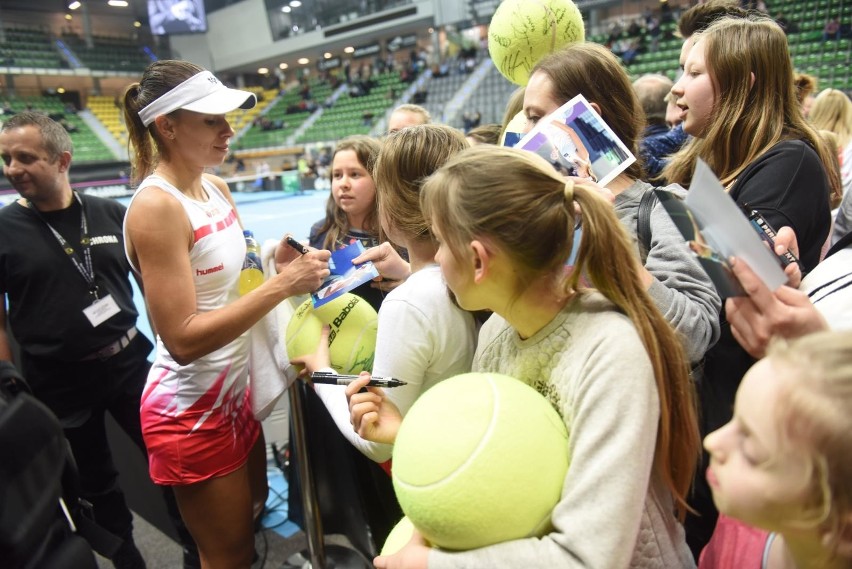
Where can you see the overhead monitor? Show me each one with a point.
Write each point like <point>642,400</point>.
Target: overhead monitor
<point>177,17</point>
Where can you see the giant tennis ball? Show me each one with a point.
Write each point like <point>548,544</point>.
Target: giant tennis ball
<point>480,458</point>
<point>523,31</point>
<point>352,335</point>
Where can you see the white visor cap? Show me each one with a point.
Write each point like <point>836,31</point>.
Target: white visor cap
<point>201,93</point>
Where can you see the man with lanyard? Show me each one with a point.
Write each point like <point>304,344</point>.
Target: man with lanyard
<point>65,273</point>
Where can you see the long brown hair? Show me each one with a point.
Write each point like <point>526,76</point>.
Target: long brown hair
<point>750,117</point>
<point>490,192</point>
<point>158,79</point>
<point>591,70</point>
<point>336,224</point>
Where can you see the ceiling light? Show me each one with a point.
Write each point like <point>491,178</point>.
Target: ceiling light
<point>283,66</point>
<point>263,71</point>
<point>61,90</point>
<point>327,55</point>
<point>67,16</point>
<point>137,24</point>
<point>286,9</point>
<point>304,60</point>
<point>295,3</point>
<point>118,3</point>
<point>349,49</point>
<point>74,5</point>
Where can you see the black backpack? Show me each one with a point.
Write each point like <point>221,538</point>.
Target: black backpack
<point>41,517</point>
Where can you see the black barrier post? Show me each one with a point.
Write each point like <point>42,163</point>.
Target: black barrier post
<point>318,555</point>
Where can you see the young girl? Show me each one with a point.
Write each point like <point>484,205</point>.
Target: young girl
<point>782,463</point>
<point>675,281</point>
<point>608,361</point>
<point>351,211</point>
<point>740,105</point>
<point>183,236</point>
<point>423,336</point>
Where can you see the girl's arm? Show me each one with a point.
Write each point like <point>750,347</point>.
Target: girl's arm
<point>680,288</point>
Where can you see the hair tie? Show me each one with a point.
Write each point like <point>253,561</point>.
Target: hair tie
<point>568,190</point>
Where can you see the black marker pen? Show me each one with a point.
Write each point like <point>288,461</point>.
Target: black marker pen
<point>767,233</point>
<point>295,244</point>
<point>337,379</point>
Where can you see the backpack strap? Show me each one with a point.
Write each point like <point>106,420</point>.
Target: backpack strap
<point>643,222</point>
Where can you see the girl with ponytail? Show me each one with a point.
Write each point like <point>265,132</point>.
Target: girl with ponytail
<point>601,353</point>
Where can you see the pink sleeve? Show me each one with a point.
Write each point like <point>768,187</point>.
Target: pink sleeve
<point>733,544</point>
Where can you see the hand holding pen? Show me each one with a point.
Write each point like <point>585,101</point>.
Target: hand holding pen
<point>372,413</point>
<point>305,269</point>
<point>331,378</point>
<point>295,244</point>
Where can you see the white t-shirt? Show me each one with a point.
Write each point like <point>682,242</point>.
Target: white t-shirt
<point>423,338</point>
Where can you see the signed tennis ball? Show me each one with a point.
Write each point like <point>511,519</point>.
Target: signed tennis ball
<point>480,458</point>
<point>352,335</point>
<point>523,31</point>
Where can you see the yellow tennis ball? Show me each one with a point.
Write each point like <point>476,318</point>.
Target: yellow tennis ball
<point>480,458</point>
<point>523,31</point>
<point>352,335</point>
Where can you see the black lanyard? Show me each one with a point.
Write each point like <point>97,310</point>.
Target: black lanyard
<point>84,267</point>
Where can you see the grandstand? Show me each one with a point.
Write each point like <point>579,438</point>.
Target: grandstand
<point>410,55</point>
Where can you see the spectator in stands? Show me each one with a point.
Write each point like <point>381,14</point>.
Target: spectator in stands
<point>484,134</point>
<point>831,30</point>
<point>183,234</point>
<point>806,86</point>
<point>408,115</point>
<point>757,142</point>
<point>68,126</point>
<point>471,119</point>
<point>420,96</point>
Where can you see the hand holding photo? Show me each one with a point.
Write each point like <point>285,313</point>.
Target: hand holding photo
<point>577,141</point>
<point>344,275</point>
<point>715,229</point>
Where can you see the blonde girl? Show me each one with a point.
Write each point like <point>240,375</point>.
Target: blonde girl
<point>606,359</point>
<point>782,464</point>
<point>423,336</point>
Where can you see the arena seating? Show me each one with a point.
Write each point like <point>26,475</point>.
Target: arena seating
<point>87,146</point>
<point>111,53</point>
<point>356,115</point>
<point>285,114</point>
<point>25,47</point>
